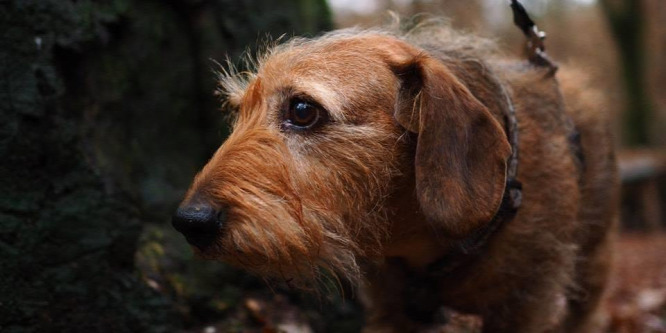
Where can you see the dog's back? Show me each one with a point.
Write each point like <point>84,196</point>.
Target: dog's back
<point>557,248</point>
<point>561,238</point>
<point>598,212</point>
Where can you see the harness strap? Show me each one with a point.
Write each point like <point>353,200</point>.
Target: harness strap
<point>536,50</point>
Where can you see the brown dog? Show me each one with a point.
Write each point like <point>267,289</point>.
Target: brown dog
<point>396,161</point>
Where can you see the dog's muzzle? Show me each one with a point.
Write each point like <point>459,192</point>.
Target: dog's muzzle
<point>199,222</point>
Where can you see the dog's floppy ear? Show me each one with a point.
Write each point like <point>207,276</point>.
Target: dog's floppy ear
<point>461,152</point>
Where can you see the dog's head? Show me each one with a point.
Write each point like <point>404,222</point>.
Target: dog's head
<point>318,140</point>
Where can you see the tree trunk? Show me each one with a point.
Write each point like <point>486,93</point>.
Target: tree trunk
<point>106,113</point>
<point>627,23</point>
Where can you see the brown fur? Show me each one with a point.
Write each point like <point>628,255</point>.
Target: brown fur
<point>413,158</point>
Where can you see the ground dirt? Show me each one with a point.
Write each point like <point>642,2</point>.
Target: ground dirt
<point>636,301</point>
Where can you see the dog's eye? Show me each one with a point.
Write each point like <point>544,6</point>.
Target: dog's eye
<point>303,114</point>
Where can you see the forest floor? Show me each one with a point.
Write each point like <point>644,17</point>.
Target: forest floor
<point>636,302</point>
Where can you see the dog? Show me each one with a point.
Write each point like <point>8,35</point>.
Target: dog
<point>421,166</point>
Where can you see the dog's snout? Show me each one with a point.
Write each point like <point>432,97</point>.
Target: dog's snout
<point>200,223</point>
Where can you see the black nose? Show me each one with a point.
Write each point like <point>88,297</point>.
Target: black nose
<point>199,222</point>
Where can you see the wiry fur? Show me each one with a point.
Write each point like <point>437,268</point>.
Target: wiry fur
<point>411,159</point>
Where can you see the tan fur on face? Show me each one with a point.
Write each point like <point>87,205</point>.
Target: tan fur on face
<point>297,196</point>
<point>411,157</point>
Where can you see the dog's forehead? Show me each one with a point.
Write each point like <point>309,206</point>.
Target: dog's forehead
<point>344,59</point>
<point>333,72</point>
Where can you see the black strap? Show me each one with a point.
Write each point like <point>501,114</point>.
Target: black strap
<point>521,18</point>
<point>463,251</point>
<point>576,146</point>
<point>536,49</point>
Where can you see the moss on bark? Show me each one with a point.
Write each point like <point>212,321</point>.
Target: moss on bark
<point>106,113</point>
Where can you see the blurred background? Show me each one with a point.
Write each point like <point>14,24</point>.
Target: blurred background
<point>107,111</point>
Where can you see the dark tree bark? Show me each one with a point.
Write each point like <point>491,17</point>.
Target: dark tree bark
<point>627,22</point>
<point>106,114</point>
